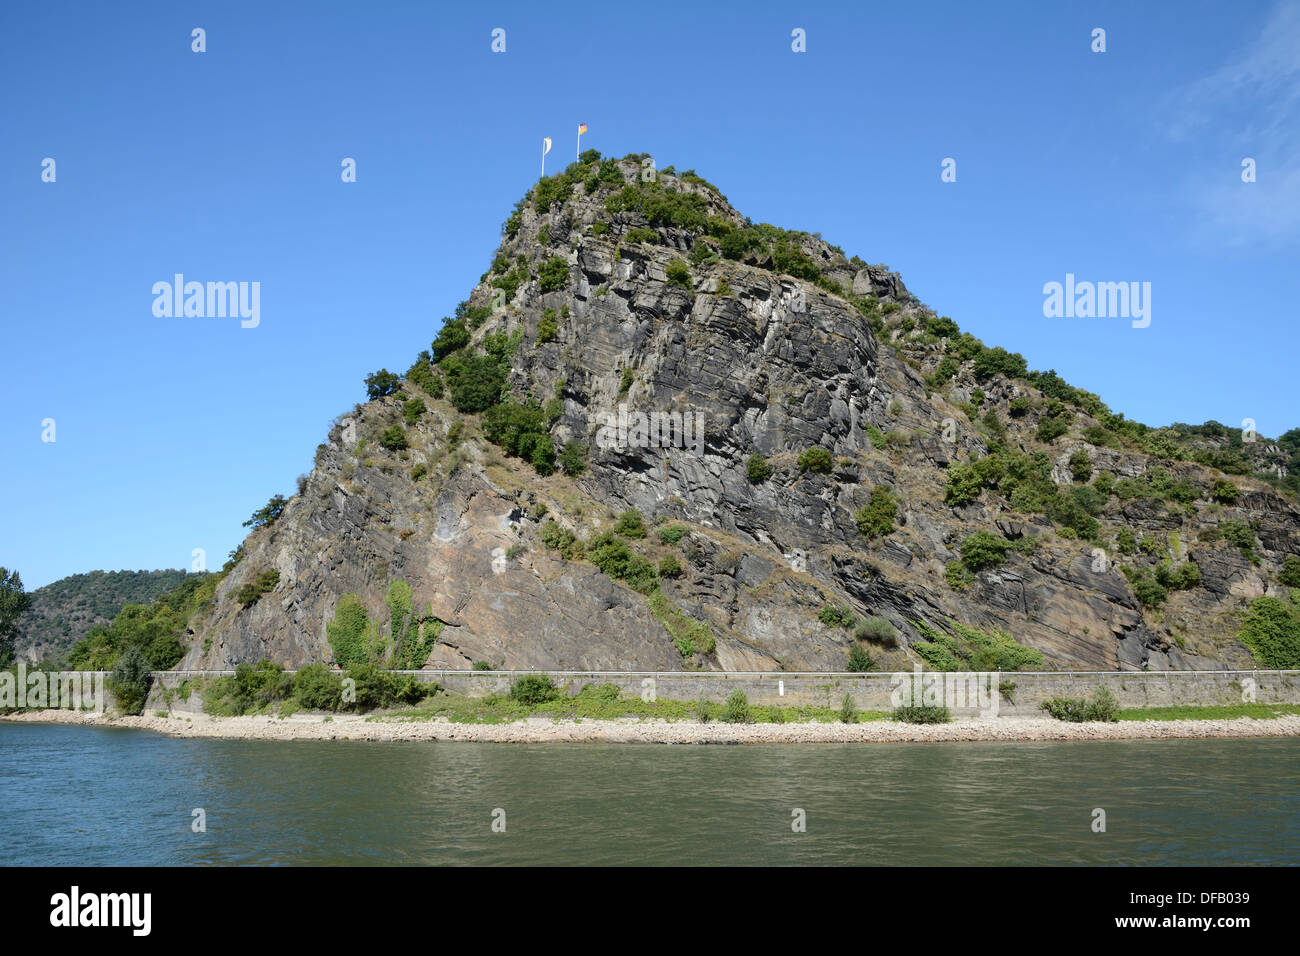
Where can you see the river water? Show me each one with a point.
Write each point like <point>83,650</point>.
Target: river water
<point>99,796</point>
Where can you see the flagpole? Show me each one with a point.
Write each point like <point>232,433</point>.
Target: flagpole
<point>543,158</point>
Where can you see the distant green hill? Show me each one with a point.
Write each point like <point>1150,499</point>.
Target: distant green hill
<point>63,612</point>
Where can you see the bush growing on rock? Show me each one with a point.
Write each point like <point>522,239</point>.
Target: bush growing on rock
<point>757,469</point>
<point>833,616</point>
<point>983,550</point>
<point>1224,491</point>
<point>263,584</point>
<point>878,631</point>
<point>381,383</point>
<point>679,274</point>
<point>671,534</point>
<point>816,460</point>
<point>268,514</point>
<point>554,274</point>
<point>630,524</point>
<point>393,438</point>
<point>859,659</point>
<point>1290,575</point>
<point>611,554</point>
<point>560,539</point>
<point>547,327</point>
<point>413,409</point>
<point>1080,466</point>
<point>877,517</point>
<point>573,459</point>
<point>475,382</point>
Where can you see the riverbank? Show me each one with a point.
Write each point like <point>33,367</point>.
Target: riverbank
<point>308,726</point>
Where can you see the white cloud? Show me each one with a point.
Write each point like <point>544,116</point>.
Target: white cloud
<point>1251,103</point>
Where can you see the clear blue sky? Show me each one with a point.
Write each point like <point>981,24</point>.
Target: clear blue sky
<point>225,166</point>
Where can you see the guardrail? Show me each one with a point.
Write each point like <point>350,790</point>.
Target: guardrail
<point>761,675</point>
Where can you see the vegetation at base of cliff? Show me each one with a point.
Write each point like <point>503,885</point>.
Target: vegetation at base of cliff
<point>155,628</point>
<point>690,635</point>
<point>1271,630</point>
<point>356,639</point>
<point>970,649</point>
<point>130,679</point>
<point>605,701</point>
<point>1211,712</point>
<point>922,714</point>
<point>533,689</point>
<point>735,710</point>
<point>362,687</point>
<point>1102,707</point>
<point>352,636</point>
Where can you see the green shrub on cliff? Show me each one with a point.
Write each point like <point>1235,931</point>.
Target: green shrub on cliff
<point>859,659</point>
<point>351,634</point>
<point>816,460</point>
<point>1290,574</point>
<point>757,470</point>
<point>1271,630</point>
<point>877,517</point>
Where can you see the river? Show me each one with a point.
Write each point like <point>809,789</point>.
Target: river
<point>99,796</point>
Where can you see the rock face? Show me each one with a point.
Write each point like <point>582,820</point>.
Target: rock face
<point>767,364</point>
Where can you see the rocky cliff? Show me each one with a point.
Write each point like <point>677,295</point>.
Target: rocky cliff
<point>955,490</point>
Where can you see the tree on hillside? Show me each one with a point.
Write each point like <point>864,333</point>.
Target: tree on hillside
<point>13,604</point>
<point>268,514</point>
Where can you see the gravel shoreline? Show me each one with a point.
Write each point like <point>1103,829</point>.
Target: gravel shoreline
<point>632,730</point>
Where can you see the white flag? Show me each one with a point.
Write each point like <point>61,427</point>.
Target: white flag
<point>546,145</point>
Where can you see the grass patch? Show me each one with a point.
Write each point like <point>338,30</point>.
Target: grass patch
<point>1211,712</point>
<point>605,702</point>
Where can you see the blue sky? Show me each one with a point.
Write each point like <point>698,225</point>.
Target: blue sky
<point>225,166</point>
